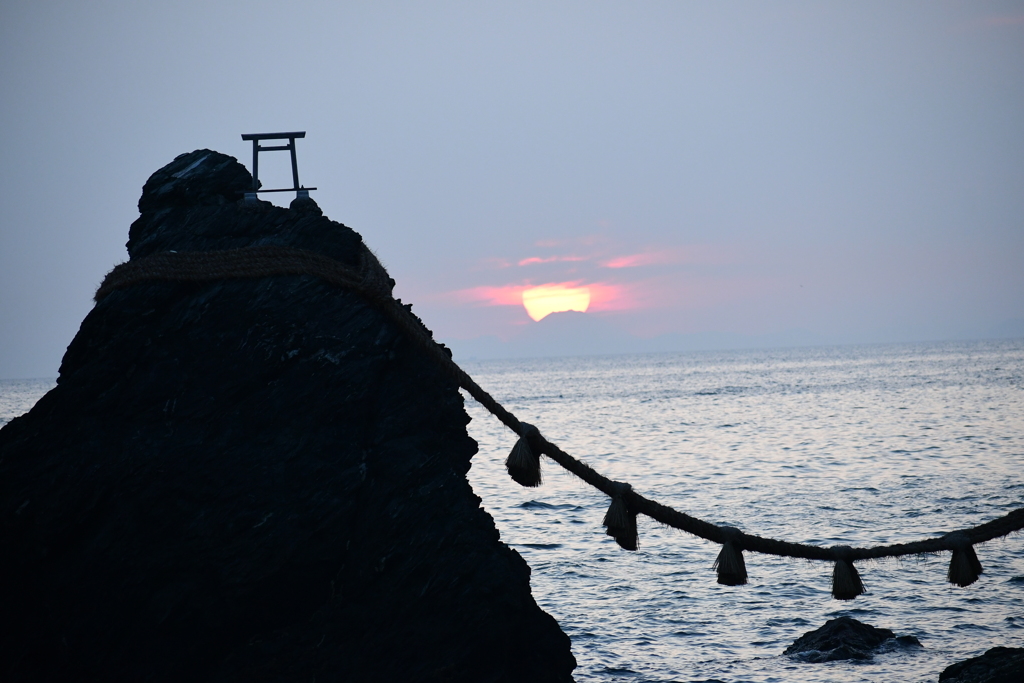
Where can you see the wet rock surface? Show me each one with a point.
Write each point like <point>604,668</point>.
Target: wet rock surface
<point>846,638</point>
<point>252,479</point>
<point>998,665</point>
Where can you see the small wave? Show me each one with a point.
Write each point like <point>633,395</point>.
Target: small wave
<point>971,627</point>
<point>539,546</point>
<point>720,391</point>
<point>617,670</point>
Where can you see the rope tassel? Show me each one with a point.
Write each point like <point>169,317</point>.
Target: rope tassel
<point>523,464</point>
<point>619,521</point>
<point>732,570</point>
<point>846,583</point>
<point>964,567</point>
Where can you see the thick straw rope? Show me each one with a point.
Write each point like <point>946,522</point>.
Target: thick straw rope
<point>371,280</point>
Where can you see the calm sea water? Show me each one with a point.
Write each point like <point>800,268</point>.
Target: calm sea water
<point>17,396</point>
<point>860,445</point>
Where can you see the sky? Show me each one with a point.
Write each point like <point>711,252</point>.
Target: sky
<point>853,172</point>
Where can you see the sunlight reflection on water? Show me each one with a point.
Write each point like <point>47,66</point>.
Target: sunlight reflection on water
<point>861,445</point>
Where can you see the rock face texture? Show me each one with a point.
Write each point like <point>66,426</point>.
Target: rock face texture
<point>845,638</point>
<point>252,480</point>
<point>998,665</point>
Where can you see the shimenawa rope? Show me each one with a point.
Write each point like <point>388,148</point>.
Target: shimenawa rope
<point>523,464</point>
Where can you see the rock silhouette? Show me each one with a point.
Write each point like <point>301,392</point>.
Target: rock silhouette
<point>845,638</point>
<point>997,665</point>
<point>252,479</point>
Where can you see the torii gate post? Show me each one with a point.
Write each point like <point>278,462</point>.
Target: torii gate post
<point>257,148</point>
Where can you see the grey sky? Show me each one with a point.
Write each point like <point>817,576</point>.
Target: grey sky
<point>855,170</point>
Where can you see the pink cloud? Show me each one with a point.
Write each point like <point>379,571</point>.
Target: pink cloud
<point>612,297</point>
<point>509,295</point>
<point>669,256</point>
<point>634,260</point>
<point>551,259</point>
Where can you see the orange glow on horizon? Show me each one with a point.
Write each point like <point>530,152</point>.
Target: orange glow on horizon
<point>544,300</point>
<point>602,296</point>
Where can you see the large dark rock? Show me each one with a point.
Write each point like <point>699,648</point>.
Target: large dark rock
<point>998,665</point>
<point>252,479</point>
<point>845,638</point>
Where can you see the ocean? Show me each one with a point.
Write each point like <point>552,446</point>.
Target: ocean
<point>859,445</point>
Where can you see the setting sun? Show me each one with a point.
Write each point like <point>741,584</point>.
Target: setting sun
<point>545,299</point>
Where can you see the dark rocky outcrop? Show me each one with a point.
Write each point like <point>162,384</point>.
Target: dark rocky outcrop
<point>252,479</point>
<point>845,638</point>
<point>998,665</point>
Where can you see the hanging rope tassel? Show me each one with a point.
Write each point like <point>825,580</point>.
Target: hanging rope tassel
<point>964,567</point>
<point>846,583</point>
<point>619,522</point>
<point>523,464</point>
<point>732,570</point>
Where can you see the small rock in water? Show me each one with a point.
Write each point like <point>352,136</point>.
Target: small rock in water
<point>845,638</point>
<point>998,665</point>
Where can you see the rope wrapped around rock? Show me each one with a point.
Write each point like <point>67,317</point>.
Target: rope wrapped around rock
<point>372,281</point>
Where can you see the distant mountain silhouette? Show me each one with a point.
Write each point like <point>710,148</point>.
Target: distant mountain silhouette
<point>583,334</point>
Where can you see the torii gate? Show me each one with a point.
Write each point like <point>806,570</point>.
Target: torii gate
<point>257,148</point>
